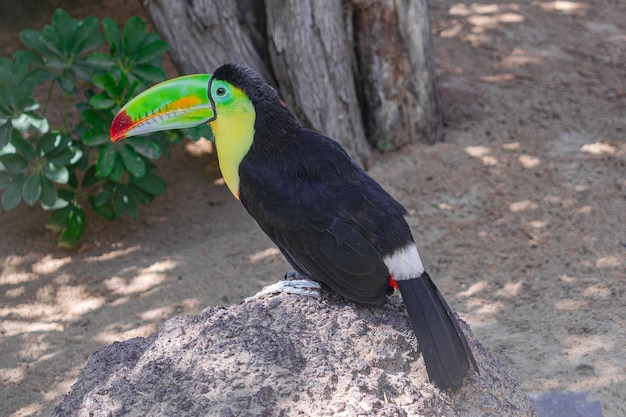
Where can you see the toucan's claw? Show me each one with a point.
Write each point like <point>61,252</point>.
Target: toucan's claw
<point>298,287</point>
<point>294,275</point>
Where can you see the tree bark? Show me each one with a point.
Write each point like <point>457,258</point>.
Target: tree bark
<point>310,55</point>
<point>358,71</point>
<point>395,62</point>
<point>205,34</point>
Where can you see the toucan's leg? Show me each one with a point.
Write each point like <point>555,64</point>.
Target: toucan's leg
<point>294,283</point>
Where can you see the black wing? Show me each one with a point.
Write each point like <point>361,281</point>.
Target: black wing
<point>331,221</point>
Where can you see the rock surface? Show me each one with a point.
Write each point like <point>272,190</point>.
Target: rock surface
<point>285,355</point>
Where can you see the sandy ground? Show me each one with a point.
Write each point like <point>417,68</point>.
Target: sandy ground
<point>519,215</point>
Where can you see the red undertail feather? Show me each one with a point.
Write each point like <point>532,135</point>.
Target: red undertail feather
<point>393,283</point>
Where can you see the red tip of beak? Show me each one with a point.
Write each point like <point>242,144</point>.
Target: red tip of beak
<point>120,125</point>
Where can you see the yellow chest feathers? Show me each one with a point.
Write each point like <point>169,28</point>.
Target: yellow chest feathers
<point>233,129</point>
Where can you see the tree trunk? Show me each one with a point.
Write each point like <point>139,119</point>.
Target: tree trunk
<point>358,71</point>
<point>311,58</point>
<point>205,34</point>
<point>396,66</point>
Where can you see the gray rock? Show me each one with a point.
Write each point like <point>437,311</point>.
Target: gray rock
<point>285,355</point>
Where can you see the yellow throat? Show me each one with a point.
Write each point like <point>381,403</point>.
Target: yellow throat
<point>233,130</point>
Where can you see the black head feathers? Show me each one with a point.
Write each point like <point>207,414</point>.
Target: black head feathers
<point>248,80</point>
<point>272,114</point>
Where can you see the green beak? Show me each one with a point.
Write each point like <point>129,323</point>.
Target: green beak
<point>174,104</point>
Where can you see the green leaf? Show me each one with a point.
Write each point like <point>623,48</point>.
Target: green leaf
<point>118,169</point>
<point>105,82</point>
<point>82,71</point>
<point>145,146</point>
<point>23,148</point>
<point>133,162</point>
<point>67,156</point>
<point>76,157</point>
<point>12,195</point>
<point>62,27</point>
<point>25,121</point>
<point>29,57</point>
<point>118,89</point>
<point>55,64</point>
<point>49,195</point>
<point>94,118</point>
<point>135,88</point>
<point>152,51</point>
<point>56,173</point>
<point>131,205</point>
<point>149,73</point>
<point>102,198</point>
<point>37,121</point>
<point>48,143</point>
<point>61,33</point>
<point>199,132</point>
<point>58,219</point>
<point>28,104</point>
<point>40,75</point>
<point>97,81</point>
<point>90,178</point>
<point>74,228</point>
<point>16,88</point>
<point>86,36</point>
<point>67,81</point>
<point>165,139</point>
<point>141,196</point>
<point>150,183</point>
<point>5,134</point>
<point>73,179</point>
<point>6,179</point>
<point>112,35</point>
<point>106,160</point>
<point>110,85</point>
<point>105,210</point>
<point>119,205</point>
<point>123,202</point>
<point>83,161</point>
<point>134,34</point>
<point>101,101</point>
<point>13,163</point>
<point>95,137</point>
<point>31,189</point>
<point>34,39</point>
<point>99,61</point>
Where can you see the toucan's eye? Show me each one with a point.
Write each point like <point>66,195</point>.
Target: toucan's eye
<point>221,91</point>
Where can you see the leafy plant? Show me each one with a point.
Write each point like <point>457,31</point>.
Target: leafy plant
<point>72,164</point>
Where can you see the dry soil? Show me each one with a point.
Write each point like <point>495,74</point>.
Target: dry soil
<point>519,215</point>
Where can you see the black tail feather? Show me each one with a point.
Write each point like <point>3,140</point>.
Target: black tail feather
<point>446,353</point>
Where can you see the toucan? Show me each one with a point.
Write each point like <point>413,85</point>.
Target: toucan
<point>331,221</point>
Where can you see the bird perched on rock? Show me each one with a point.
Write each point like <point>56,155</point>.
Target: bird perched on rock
<point>333,223</point>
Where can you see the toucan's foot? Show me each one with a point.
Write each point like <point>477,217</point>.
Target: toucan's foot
<point>299,287</point>
<point>294,275</point>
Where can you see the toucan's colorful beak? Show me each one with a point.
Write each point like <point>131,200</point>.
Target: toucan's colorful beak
<point>174,104</point>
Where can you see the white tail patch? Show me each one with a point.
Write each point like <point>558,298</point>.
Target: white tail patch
<point>405,263</point>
